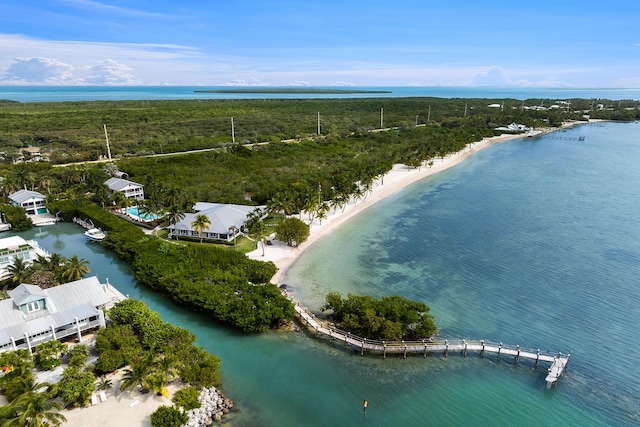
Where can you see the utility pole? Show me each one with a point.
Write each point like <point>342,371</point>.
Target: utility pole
<point>465,109</point>
<point>381,118</point>
<point>233,132</point>
<point>318,123</point>
<point>429,114</point>
<point>106,136</point>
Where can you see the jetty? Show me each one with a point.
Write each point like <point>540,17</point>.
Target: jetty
<point>558,362</point>
<point>86,224</point>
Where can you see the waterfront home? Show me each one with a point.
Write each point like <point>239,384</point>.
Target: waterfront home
<point>16,247</point>
<point>226,221</point>
<point>131,190</point>
<point>32,201</point>
<point>31,315</point>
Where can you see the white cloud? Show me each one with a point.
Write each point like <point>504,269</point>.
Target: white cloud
<point>109,72</point>
<point>299,83</point>
<point>494,76</point>
<point>341,83</point>
<point>250,82</point>
<point>50,71</point>
<point>38,70</point>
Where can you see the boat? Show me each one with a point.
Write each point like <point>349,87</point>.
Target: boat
<point>46,222</point>
<point>5,226</point>
<point>95,234</point>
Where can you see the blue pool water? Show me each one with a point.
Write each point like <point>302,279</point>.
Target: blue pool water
<point>145,217</point>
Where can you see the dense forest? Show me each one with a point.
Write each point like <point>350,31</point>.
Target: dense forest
<point>73,131</point>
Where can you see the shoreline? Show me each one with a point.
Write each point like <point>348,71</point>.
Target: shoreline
<point>397,179</point>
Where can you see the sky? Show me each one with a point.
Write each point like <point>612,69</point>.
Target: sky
<point>542,43</point>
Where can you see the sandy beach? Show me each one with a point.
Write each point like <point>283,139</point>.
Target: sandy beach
<point>119,408</point>
<point>395,180</point>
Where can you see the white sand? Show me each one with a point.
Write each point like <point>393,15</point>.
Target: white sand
<point>119,409</point>
<point>398,178</point>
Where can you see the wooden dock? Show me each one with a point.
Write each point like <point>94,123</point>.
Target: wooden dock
<point>424,347</point>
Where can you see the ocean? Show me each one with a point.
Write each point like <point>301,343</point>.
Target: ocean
<point>112,93</point>
<point>532,241</point>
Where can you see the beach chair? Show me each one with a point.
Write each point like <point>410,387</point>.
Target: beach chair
<point>94,399</point>
<point>103,396</point>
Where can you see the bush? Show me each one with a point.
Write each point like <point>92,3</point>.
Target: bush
<point>49,354</point>
<point>187,398</point>
<point>76,387</point>
<point>166,416</point>
<point>78,355</point>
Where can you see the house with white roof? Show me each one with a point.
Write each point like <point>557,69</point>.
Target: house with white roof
<point>17,247</point>
<point>32,201</point>
<point>131,190</point>
<point>31,315</point>
<point>227,221</point>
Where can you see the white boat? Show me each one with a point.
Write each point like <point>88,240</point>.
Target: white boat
<point>95,234</point>
<point>5,226</point>
<point>46,222</point>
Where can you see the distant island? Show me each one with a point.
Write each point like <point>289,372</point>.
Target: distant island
<point>296,90</point>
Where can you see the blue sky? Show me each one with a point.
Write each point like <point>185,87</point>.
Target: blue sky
<point>543,43</point>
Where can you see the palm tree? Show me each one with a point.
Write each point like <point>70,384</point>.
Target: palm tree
<point>174,215</point>
<point>136,375</point>
<point>74,267</point>
<point>18,270</point>
<point>201,223</point>
<point>36,410</point>
<point>232,231</point>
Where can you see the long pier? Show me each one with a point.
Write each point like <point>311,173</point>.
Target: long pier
<point>558,361</point>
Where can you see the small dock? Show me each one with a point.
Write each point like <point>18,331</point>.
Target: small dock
<point>566,138</point>
<point>558,362</point>
<point>86,224</point>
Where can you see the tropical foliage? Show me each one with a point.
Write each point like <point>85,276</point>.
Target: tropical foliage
<point>292,231</point>
<point>154,352</point>
<point>167,416</point>
<point>389,318</point>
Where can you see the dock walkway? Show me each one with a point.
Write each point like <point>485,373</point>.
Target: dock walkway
<point>558,361</point>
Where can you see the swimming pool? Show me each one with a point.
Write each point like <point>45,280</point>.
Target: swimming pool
<point>133,212</point>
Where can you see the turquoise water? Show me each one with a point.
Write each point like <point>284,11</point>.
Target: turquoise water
<point>91,93</point>
<point>531,242</point>
<point>147,216</point>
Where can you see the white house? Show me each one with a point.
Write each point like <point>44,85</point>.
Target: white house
<point>32,201</point>
<point>16,247</point>
<point>227,221</point>
<point>130,189</point>
<point>31,315</point>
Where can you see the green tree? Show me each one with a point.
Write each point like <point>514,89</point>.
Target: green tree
<point>19,271</point>
<point>174,215</point>
<point>201,223</point>
<point>74,268</point>
<point>166,416</point>
<point>136,375</point>
<point>292,231</point>
<point>49,354</point>
<point>76,386</point>
<point>35,410</point>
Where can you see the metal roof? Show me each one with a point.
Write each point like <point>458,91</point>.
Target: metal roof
<point>221,216</point>
<point>64,303</point>
<point>117,184</point>
<point>24,195</point>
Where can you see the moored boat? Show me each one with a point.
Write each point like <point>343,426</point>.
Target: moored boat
<point>95,234</point>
